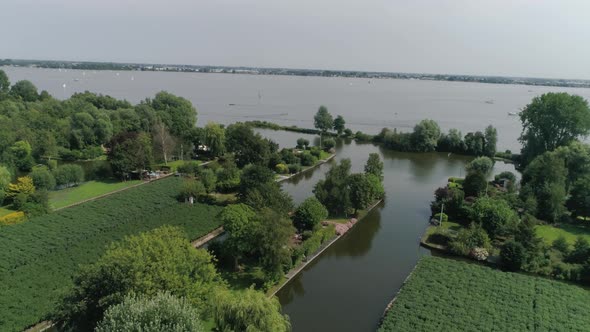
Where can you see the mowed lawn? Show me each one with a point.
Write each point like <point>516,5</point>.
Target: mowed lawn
<point>87,190</point>
<point>571,232</point>
<point>39,257</point>
<point>448,295</point>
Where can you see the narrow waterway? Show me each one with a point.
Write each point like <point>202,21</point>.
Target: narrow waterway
<point>349,285</point>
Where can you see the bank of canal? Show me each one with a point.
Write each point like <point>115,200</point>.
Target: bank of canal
<point>349,284</point>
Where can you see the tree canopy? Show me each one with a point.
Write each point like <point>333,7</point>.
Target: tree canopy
<point>552,120</point>
<point>323,119</point>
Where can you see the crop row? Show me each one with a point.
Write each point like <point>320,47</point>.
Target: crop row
<point>449,295</point>
<point>38,258</point>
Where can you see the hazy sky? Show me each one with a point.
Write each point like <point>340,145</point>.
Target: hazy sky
<point>517,38</point>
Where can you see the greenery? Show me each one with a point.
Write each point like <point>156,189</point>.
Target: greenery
<point>323,119</point>
<point>162,312</point>
<point>78,235</point>
<point>481,165</point>
<point>552,120</point>
<point>447,295</point>
<point>87,190</point>
<point>570,232</point>
<point>248,310</point>
<point>309,214</point>
<point>334,191</point>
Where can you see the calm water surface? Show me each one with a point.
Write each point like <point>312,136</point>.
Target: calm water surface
<point>293,100</point>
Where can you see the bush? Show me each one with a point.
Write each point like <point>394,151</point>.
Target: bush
<point>209,180</point>
<point>440,237</point>
<point>69,175</point>
<point>474,184</point>
<point>163,312</point>
<point>42,178</point>
<point>445,218</point>
<point>328,143</point>
<point>188,168</point>
<point>13,218</point>
<point>470,238</point>
<point>307,159</point>
<point>362,137</point>
<point>513,255</point>
<point>294,168</point>
<point>282,169</point>
<point>560,244</point>
<point>481,165</point>
<point>315,151</point>
<point>309,214</point>
<point>347,132</point>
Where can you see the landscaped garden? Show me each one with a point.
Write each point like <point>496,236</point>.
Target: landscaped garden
<point>448,295</point>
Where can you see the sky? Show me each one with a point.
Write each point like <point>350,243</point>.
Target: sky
<point>532,38</point>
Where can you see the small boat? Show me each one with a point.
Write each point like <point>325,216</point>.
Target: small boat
<point>232,104</point>
<point>76,79</point>
<point>512,113</point>
<point>489,101</point>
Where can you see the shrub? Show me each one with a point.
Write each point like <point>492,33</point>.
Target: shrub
<point>440,237</point>
<point>309,214</point>
<point>162,312</point>
<point>474,184</point>
<point>513,255</point>
<point>69,175</point>
<point>13,218</point>
<point>315,151</point>
<point>294,168</point>
<point>347,132</point>
<point>560,244</point>
<point>469,238</point>
<point>42,178</point>
<point>188,168</point>
<point>209,180</point>
<point>445,218</point>
<point>307,159</point>
<point>481,165</point>
<point>328,143</point>
<point>282,169</point>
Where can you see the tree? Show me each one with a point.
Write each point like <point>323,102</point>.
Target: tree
<point>4,82</point>
<point>254,176</point>
<point>159,260</point>
<point>579,200</point>
<point>209,179</point>
<point>309,214</point>
<point>239,221</point>
<point>214,139</point>
<point>177,113</point>
<point>247,146</point>
<point>302,143</point>
<point>191,189</point>
<point>5,178</point>
<point>581,251</point>
<point>482,165</point>
<point>374,166</point>
<point>68,175</point>
<point>21,155</point>
<point>451,142</point>
<point>560,244</point>
<point>513,255</point>
<point>24,90</point>
<point>271,196</point>
<point>248,310</point>
<point>495,216</point>
<point>130,152</point>
<point>23,186</point>
<point>329,143</point>
<point>323,119</point>
<point>361,191</point>
<point>425,136</point>
<point>163,140</point>
<point>474,143</point>
<point>162,312</point>
<point>475,183</point>
<point>334,192</point>
<point>550,121</point>
<point>470,238</point>
<point>491,138</point>
<point>339,124</point>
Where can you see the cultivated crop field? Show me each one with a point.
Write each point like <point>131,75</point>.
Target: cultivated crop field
<point>448,295</point>
<point>39,257</point>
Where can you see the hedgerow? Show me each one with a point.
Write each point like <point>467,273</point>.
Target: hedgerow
<point>449,295</point>
<point>39,257</point>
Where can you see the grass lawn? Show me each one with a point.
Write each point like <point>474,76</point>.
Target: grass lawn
<point>549,233</point>
<point>90,189</point>
<point>174,164</point>
<point>453,226</point>
<point>449,295</point>
<point>4,210</point>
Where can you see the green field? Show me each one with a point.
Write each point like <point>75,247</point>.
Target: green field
<point>448,295</point>
<point>174,164</point>
<point>571,232</point>
<point>39,257</point>
<point>87,190</point>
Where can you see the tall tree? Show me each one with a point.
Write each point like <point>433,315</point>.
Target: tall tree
<point>374,166</point>
<point>24,90</point>
<point>425,136</point>
<point>163,140</point>
<point>177,113</point>
<point>334,191</point>
<point>309,214</point>
<point>491,138</point>
<point>247,146</point>
<point>323,121</point>
<point>4,82</point>
<point>130,152</point>
<point>552,120</point>
<point>339,124</point>
<point>239,221</point>
<point>579,200</point>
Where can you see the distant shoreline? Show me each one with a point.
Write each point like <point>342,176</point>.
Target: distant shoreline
<point>89,65</point>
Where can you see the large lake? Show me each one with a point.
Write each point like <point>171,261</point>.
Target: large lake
<point>366,105</point>
<point>349,285</point>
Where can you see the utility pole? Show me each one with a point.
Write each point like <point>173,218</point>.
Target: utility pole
<point>441,215</point>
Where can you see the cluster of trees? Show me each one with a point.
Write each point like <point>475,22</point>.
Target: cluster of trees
<point>324,122</point>
<point>427,137</point>
<point>342,192</point>
<point>156,281</point>
<point>35,127</point>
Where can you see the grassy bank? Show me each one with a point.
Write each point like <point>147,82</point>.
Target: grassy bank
<point>87,190</point>
<point>570,232</point>
<point>39,257</point>
<point>448,295</point>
